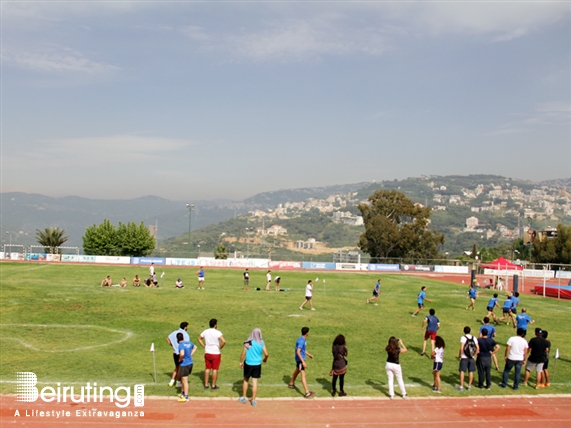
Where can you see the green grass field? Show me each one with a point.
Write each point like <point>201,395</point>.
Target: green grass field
<point>57,322</point>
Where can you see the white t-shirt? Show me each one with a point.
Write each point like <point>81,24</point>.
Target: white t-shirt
<point>211,342</point>
<point>308,290</point>
<point>151,270</point>
<point>463,341</point>
<point>439,357</point>
<point>518,348</point>
<point>269,277</point>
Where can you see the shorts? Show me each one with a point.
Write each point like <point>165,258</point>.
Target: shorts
<point>506,311</point>
<point>212,361</point>
<point>375,294</point>
<point>420,305</point>
<point>201,279</point>
<point>546,365</point>
<point>175,358</point>
<point>490,309</point>
<point>430,334</point>
<point>299,365</point>
<point>514,311</point>
<point>467,365</point>
<point>308,298</point>
<point>246,282</point>
<point>531,366</point>
<point>252,371</point>
<point>436,367</point>
<point>185,371</point>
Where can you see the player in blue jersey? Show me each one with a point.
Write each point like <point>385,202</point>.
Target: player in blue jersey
<point>522,320</point>
<point>301,355</point>
<point>185,349</point>
<point>491,334</point>
<point>376,293</point>
<point>473,294</point>
<point>491,305</point>
<point>420,301</point>
<point>506,311</point>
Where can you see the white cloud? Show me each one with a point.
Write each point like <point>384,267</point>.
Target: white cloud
<point>55,58</point>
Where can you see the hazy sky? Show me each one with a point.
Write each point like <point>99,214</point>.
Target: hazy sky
<point>202,100</point>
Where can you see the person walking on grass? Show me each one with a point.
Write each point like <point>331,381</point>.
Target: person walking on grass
<point>253,354</point>
<point>488,348</point>
<point>173,342</point>
<point>394,348</point>
<point>432,325</point>
<point>246,275</point>
<point>506,311</point>
<point>300,362</point>
<point>308,295</point>
<point>186,350</point>
<point>213,341</point>
<point>491,305</point>
<point>339,368</point>
<point>516,350</point>
<point>438,356</point>
<point>376,293</point>
<point>472,294</point>
<point>420,301</point>
<point>468,351</point>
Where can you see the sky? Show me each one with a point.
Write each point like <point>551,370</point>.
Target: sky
<point>226,99</point>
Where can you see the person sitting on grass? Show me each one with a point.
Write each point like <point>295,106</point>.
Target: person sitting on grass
<point>107,282</point>
<point>136,281</point>
<point>123,282</point>
<point>178,283</point>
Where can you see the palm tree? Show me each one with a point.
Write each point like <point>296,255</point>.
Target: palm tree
<point>51,238</point>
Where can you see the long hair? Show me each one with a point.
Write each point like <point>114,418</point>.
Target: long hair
<point>439,342</point>
<point>339,340</point>
<point>393,346</point>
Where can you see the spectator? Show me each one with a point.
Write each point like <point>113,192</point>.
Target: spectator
<point>251,362</point>
<point>339,368</point>
<point>394,348</point>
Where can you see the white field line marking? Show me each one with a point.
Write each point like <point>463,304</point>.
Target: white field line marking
<point>127,336</point>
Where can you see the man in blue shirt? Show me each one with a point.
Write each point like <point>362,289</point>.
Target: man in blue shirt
<point>300,364</point>
<point>185,351</point>
<point>432,326</point>
<point>420,300</point>
<point>491,305</point>
<point>506,310</point>
<point>172,341</point>
<point>376,293</point>
<point>491,334</point>
<point>515,303</point>
<point>473,294</point>
<point>522,320</point>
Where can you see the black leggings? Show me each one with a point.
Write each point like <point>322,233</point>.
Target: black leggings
<point>341,381</point>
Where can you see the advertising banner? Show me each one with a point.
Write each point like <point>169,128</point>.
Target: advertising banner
<point>535,273</point>
<point>452,269</point>
<point>563,274</point>
<point>87,259</point>
<point>52,257</point>
<point>383,267</point>
<point>285,265</point>
<point>147,260</point>
<point>36,257</point>
<point>349,266</point>
<point>318,265</point>
<point>417,268</point>
<point>113,260</point>
<point>69,258</point>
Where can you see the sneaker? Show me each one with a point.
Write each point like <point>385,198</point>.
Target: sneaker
<point>468,388</point>
<point>405,396</point>
<point>502,385</point>
<point>413,315</point>
<point>367,300</point>
<point>183,399</point>
<point>242,400</point>
<point>291,386</point>
<point>391,397</point>
<point>312,309</point>
<point>206,386</point>
<point>309,394</point>
<point>539,385</point>
<point>215,387</point>
<point>254,403</point>
<point>178,384</point>
<point>459,388</point>
<point>523,383</point>
<point>437,391</point>
<point>422,354</point>
<point>300,308</point>
<point>342,394</point>
<point>547,384</point>
<point>171,383</point>
<point>376,304</point>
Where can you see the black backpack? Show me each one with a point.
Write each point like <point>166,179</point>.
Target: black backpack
<point>470,347</point>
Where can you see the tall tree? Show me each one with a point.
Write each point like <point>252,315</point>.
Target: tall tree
<point>127,240</point>
<point>51,238</point>
<point>397,228</point>
<point>101,240</point>
<point>553,250</point>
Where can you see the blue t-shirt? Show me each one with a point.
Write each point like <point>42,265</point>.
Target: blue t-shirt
<point>515,302</point>
<point>254,354</point>
<point>300,344</point>
<point>472,293</point>
<point>433,322</point>
<point>187,348</point>
<point>522,320</point>
<point>507,304</point>
<point>377,287</point>
<point>201,273</point>
<point>492,302</point>
<point>421,297</point>
<point>491,330</point>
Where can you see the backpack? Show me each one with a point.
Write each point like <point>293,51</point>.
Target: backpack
<point>470,347</point>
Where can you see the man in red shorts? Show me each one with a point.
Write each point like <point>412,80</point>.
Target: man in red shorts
<point>213,341</point>
<point>432,326</point>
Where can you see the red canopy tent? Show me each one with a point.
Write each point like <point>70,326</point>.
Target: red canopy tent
<point>501,264</point>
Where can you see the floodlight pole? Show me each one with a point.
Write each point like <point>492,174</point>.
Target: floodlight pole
<point>190,209</point>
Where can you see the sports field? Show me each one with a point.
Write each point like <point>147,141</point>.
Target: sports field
<point>57,322</point>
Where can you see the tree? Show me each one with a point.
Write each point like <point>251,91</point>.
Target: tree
<point>397,228</point>
<point>553,250</point>
<point>220,252</point>
<point>51,238</point>
<point>127,240</point>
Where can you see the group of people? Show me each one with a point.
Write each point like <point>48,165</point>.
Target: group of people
<point>276,280</point>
